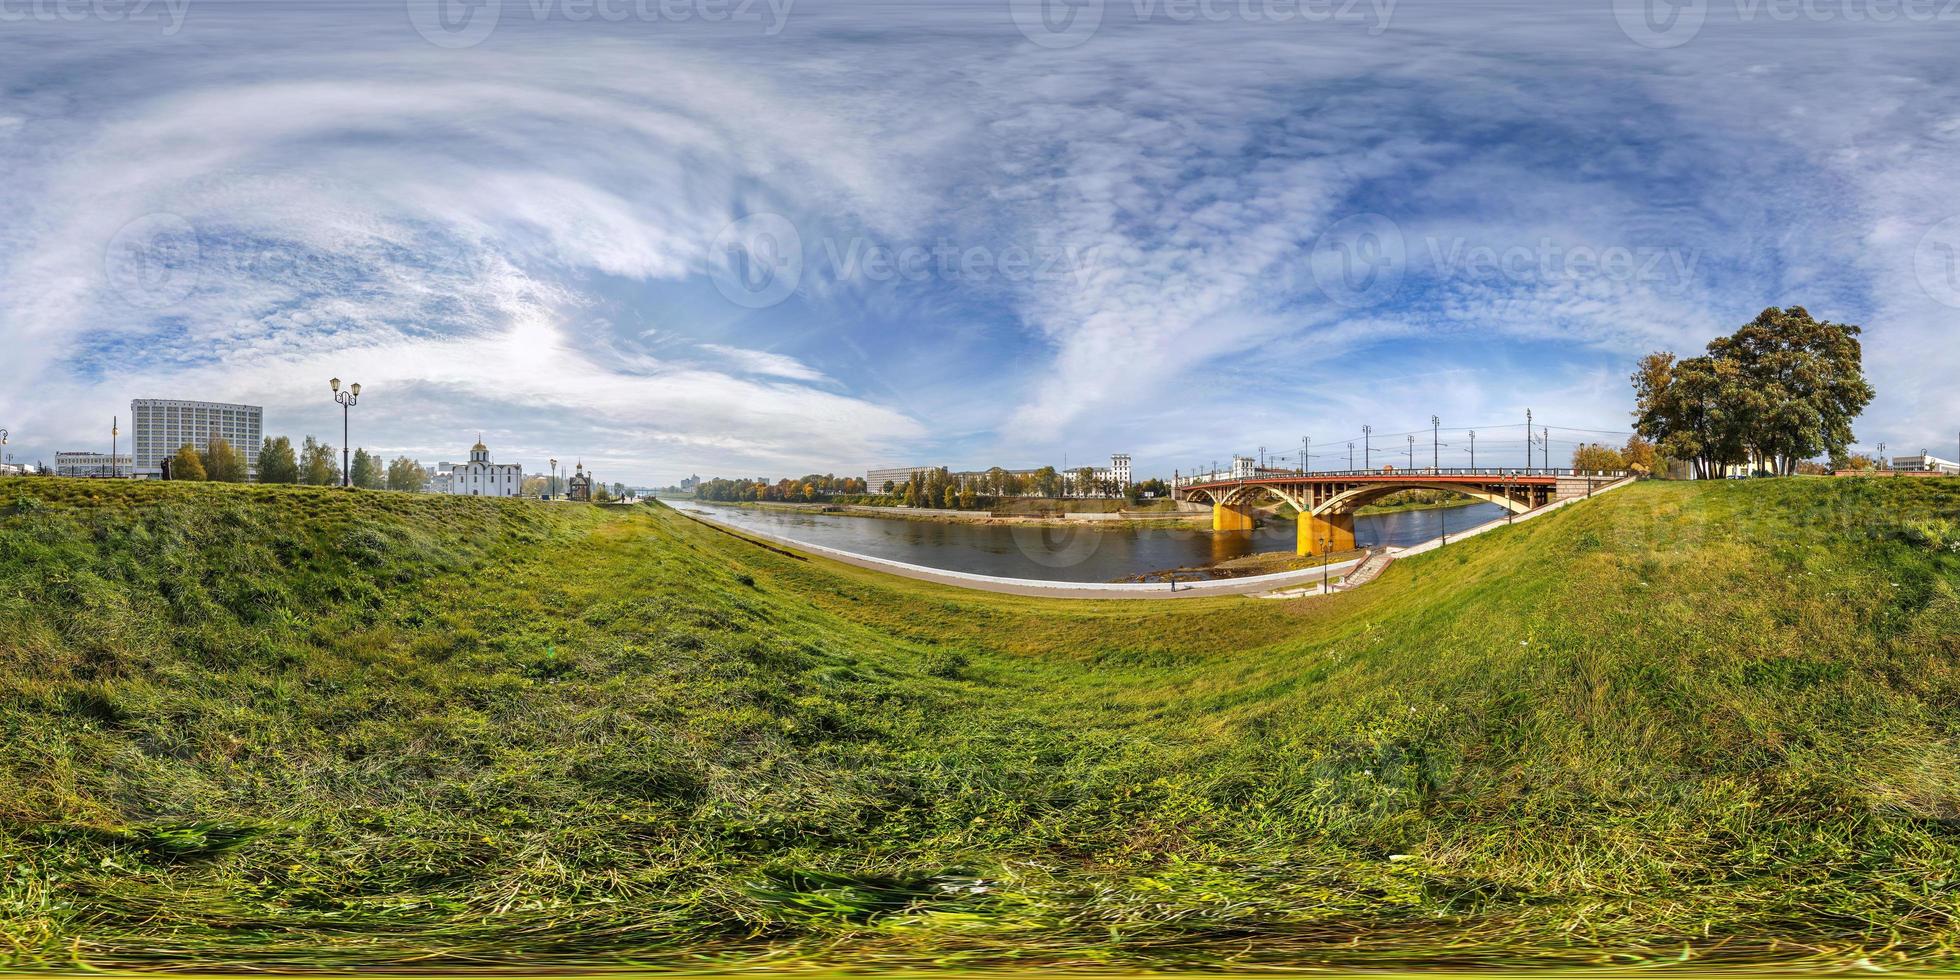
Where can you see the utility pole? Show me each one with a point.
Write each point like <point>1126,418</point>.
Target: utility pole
<point>1306,458</point>
<point>1368,449</point>
<point>1350,457</point>
<point>1412,452</point>
<point>1527,442</point>
<point>1473,449</point>
<point>1548,449</point>
<point>1435,444</point>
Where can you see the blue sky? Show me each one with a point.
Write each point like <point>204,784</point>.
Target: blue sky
<point>689,236</point>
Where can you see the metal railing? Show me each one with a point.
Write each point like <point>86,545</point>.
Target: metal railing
<point>1542,472</point>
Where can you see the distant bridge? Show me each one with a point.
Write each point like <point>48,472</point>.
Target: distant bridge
<point>1327,501</point>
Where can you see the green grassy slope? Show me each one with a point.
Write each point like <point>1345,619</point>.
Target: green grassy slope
<point>283,725</point>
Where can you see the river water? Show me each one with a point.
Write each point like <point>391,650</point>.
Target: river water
<point>1085,552</point>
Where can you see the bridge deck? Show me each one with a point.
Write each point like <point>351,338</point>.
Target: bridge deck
<point>1477,477</point>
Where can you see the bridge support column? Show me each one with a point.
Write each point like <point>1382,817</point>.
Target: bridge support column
<point>1231,517</point>
<point>1313,527</point>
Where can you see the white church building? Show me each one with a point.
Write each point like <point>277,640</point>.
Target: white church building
<point>481,478</point>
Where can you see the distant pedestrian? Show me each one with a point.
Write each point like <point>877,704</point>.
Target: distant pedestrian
<point>1173,581</point>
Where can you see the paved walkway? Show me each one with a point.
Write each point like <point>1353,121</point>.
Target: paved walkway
<point>1251,585</point>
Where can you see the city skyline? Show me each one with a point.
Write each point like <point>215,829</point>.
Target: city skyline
<point>1466,210</point>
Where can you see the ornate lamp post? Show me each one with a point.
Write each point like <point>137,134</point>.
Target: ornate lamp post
<point>115,434</point>
<point>347,399</point>
<point>551,492</point>
<point>1326,547</point>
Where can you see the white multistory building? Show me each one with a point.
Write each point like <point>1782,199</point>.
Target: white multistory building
<point>481,478</point>
<point>160,426</point>
<point>1925,463</point>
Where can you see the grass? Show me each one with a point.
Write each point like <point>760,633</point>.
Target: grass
<point>266,726</point>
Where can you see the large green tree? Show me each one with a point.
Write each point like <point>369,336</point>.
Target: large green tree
<point>277,463</point>
<point>222,463</point>
<point>1782,388</point>
<point>317,465</point>
<point>186,465</point>
<point>406,474</point>
<point>367,472</point>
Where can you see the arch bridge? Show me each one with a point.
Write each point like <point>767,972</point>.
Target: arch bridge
<point>1326,502</point>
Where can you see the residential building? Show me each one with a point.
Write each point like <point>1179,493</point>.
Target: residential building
<point>160,426</point>
<point>481,478</point>
<point>1115,477</point>
<point>875,480</point>
<point>1924,463</point>
<point>92,465</point>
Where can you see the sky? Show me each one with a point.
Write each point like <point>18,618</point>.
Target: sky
<point>775,237</point>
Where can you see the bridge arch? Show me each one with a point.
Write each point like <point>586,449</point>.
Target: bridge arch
<point>1355,498</point>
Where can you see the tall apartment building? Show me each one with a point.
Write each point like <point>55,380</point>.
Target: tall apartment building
<point>159,426</point>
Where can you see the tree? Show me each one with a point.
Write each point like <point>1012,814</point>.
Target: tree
<point>318,465</point>
<point>1639,454</point>
<point>1783,387</point>
<point>186,465</point>
<point>222,464</point>
<point>407,474</point>
<point>1595,458</point>
<point>536,486</point>
<point>950,497</point>
<point>968,498</point>
<point>366,472</point>
<point>277,464</point>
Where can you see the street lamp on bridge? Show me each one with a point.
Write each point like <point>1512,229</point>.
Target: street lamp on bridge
<point>1412,452</point>
<point>1435,443</point>
<point>1367,449</point>
<point>1473,449</point>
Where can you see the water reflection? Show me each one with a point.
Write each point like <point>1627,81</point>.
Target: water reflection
<point>1086,552</point>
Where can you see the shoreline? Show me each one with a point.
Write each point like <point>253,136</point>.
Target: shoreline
<point>1199,522</point>
<point>1246,586</point>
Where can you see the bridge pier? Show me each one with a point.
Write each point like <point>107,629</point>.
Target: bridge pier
<point>1231,517</point>
<point>1313,527</point>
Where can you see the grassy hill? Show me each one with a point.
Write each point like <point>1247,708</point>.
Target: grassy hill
<point>298,726</point>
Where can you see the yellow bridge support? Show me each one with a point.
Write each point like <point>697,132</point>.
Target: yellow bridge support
<point>1337,528</point>
<point>1231,517</point>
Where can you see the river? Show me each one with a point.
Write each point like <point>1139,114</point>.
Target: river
<point>1083,552</point>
